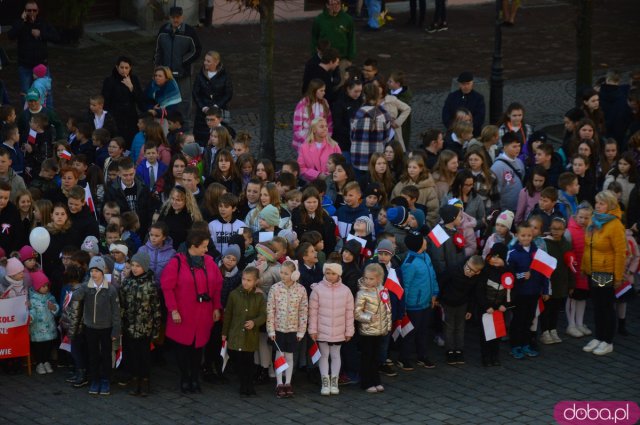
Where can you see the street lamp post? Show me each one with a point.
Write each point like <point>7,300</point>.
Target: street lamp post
<point>497,82</point>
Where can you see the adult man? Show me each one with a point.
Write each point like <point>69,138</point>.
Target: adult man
<point>130,193</point>
<point>12,235</point>
<point>33,108</point>
<point>9,176</point>
<point>177,47</point>
<point>369,71</point>
<point>83,221</point>
<point>327,71</point>
<point>465,97</point>
<point>32,35</point>
<point>335,26</point>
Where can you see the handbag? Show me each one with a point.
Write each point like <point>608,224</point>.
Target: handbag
<point>599,279</point>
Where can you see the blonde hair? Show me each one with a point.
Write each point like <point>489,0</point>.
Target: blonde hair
<point>189,203</point>
<point>165,70</point>
<point>374,268</point>
<point>314,124</point>
<point>609,198</point>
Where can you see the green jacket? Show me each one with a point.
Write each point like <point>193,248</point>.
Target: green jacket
<point>140,306</point>
<point>243,306</point>
<point>338,30</point>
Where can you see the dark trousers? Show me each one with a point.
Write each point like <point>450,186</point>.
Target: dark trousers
<point>350,356</point>
<point>212,357</point>
<point>99,349</point>
<point>423,8</point>
<point>245,368</point>
<point>79,351</point>
<point>603,312</point>
<point>369,348</point>
<point>454,321</point>
<point>549,317</point>
<point>383,352</point>
<point>523,314</point>
<point>416,341</point>
<point>440,14</point>
<point>188,358</point>
<point>139,357</point>
<point>489,350</point>
<point>41,351</point>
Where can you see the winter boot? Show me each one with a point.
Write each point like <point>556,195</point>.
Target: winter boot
<point>622,329</point>
<point>145,387</point>
<point>326,386</point>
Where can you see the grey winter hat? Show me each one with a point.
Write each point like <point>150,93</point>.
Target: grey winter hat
<point>385,245</point>
<point>143,259</point>
<point>90,245</point>
<point>232,250</point>
<point>98,263</point>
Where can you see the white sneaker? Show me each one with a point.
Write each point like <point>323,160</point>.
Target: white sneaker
<point>585,330</point>
<point>334,386</point>
<point>326,386</point>
<point>40,370</point>
<point>554,336</point>
<point>603,348</point>
<point>546,338</point>
<point>439,340</point>
<point>574,332</point>
<point>591,346</point>
<point>47,367</point>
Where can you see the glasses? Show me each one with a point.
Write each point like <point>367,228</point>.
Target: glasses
<point>470,269</point>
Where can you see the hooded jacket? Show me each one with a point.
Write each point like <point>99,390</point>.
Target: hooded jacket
<point>159,257</point>
<point>419,281</point>
<point>42,326</point>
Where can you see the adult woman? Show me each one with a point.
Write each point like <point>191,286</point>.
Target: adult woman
<point>445,171</point>
<point>397,109</point>
<point>463,189</point>
<point>591,107</point>
<point>60,231</point>
<point>314,153</point>
<point>212,88</point>
<point>313,105</point>
<point>68,179</point>
<point>311,216</point>
<point>116,148</point>
<point>163,93</point>
<point>342,175</point>
<point>380,173</point>
<point>191,285</point>
<point>179,213</point>
<point>343,111</point>
<point>603,261</point>
<point>485,182</point>
<point>172,177</point>
<point>370,128</point>
<point>417,174</point>
<point>123,98</point>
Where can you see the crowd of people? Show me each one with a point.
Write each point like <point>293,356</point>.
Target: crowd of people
<point>172,241</point>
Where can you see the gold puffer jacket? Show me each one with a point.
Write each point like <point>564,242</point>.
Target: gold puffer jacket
<point>372,314</point>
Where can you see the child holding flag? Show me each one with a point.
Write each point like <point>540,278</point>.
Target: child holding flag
<point>373,314</point>
<point>287,312</point>
<point>530,284</point>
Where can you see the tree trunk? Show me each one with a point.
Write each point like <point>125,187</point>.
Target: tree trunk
<point>265,68</point>
<point>584,74</point>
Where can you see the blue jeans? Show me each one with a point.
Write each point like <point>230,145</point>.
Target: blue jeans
<point>373,8</point>
<point>384,348</point>
<point>25,75</point>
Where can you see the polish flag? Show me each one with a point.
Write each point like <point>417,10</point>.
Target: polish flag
<point>623,289</point>
<point>65,344</point>
<point>31,138</point>
<point>65,154</point>
<point>280,364</point>
<point>397,330</point>
<point>119,356</point>
<point>405,326</point>
<point>544,263</point>
<point>539,307</point>
<point>393,284</point>
<point>494,326</point>
<point>88,199</point>
<point>314,353</point>
<point>438,236</point>
<point>224,354</point>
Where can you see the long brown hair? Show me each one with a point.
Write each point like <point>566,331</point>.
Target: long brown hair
<point>386,180</point>
<point>315,85</point>
<point>311,192</point>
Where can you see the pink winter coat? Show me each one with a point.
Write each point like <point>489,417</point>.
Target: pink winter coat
<point>526,204</point>
<point>304,115</point>
<point>179,289</point>
<point>313,160</point>
<point>577,242</point>
<point>331,309</point>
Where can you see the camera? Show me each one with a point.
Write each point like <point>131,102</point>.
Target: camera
<point>203,298</point>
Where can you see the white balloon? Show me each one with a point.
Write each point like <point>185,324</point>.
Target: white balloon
<point>39,239</point>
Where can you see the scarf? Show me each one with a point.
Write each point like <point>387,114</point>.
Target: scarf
<point>600,219</point>
<point>195,261</point>
<point>166,95</point>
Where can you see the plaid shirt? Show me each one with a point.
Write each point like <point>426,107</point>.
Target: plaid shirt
<point>370,130</point>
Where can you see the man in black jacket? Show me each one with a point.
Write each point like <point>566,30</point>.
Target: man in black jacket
<point>83,221</point>
<point>130,193</point>
<point>12,235</point>
<point>32,35</point>
<point>465,97</point>
<point>177,47</point>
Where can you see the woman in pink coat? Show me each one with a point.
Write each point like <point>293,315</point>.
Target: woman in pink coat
<point>313,155</point>
<point>331,308</point>
<point>191,284</point>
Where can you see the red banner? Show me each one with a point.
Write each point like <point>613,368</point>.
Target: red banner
<point>14,327</point>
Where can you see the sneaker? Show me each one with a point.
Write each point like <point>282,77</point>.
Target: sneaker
<point>585,330</point>
<point>387,370</point>
<point>334,386</point>
<point>529,352</point>
<point>451,358</point>
<point>405,365</point>
<point>459,357</point>
<point>47,367</point>
<point>546,338</point>
<point>94,388</point>
<point>439,340</point>
<point>40,370</point>
<point>326,386</point>
<point>81,380</point>
<point>389,362</point>
<point>517,353</point>
<point>554,336</point>
<point>432,28</point>
<point>592,345</point>
<point>603,348</point>
<point>443,27</point>
<point>574,332</point>
<point>105,387</point>
<point>426,363</point>
<point>380,388</point>
<point>372,390</point>
<point>71,379</point>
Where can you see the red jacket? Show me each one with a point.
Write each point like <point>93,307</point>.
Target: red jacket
<point>179,288</point>
<point>577,242</point>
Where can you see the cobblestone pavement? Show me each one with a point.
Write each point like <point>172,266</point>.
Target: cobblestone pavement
<point>519,392</point>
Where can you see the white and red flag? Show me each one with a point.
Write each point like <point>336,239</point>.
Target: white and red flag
<point>314,353</point>
<point>65,154</point>
<point>280,364</point>
<point>539,307</point>
<point>224,354</point>
<point>31,138</point>
<point>393,284</point>
<point>494,326</point>
<point>405,326</point>
<point>438,236</point>
<point>623,289</point>
<point>544,263</point>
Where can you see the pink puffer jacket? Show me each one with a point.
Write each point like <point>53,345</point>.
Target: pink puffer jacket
<point>331,311</point>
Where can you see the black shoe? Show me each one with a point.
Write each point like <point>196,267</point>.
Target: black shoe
<point>459,357</point>
<point>262,377</point>
<point>426,363</point>
<point>622,329</point>
<point>185,387</point>
<point>405,365</point>
<point>495,362</point>
<point>451,358</point>
<point>485,362</point>
<point>388,370</point>
<point>81,379</point>
<point>195,387</point>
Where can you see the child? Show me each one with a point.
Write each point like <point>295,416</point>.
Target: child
<point>577,299</point>
<point>352,208</point>
<point>42,326</point>
<point>12,285</point>
<point>175,122</point>
<point>509,170</point>
<point>159,247</point>
<point>287,313</point>
<point>121,268</point>
<point>450,255</point>
<point>250,253</point>
<point>568,194</point>
<point>98,306</point>
<point>625,173</point>
<point>268,221</point>
<point>397,218</point>
<point>330,298</point>
<point>10,137</point>
<point>502,232</point>
<point>630,269</point>
<point>580,165</point>
<point>99,118</point>
<point>130,227</point>
<point>491,296</point>
<point>280,248</point>
<point>100,138</point>
<point>455,298</point>
<point>548,208</point>
<point>242,143</point>
<point>140,321</point>
<point>72,280</point>
<point>373,314</point>
<point>528,287</point>
<point>83,144</point>
<point>551,161</point>
<point>38,148</point>
<point>244,314</point>
<point>226,224</point>
<point>150,170</point>
<point>363,228</point>
<point>381,221</point>
<point>45,180</point>
<point>41,84</point>
<point>293,199</point>
<point>530,194</point>
<point>310,271</point>
<point>351,265</point>
<point>140,139</point>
